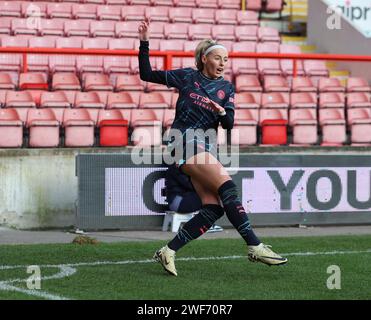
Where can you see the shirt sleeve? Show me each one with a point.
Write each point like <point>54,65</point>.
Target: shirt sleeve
<point>227,120</point>
<point>176,78</point>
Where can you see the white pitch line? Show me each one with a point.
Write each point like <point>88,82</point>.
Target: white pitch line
<point>68,269</point>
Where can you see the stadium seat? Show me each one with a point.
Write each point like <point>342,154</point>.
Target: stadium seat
<point>59,10</point>
<point>245,127</point>
<point>268,34</point>
<point>246,33</point>
<point>169,116</point>
<point>180,15</point>
<point>332,100</point>
<point>19,41</point>
<point>172,45</point>
<point>113,129</point>
<point>33,9</point>
<point>6,82</point>
<point>23,26</point>
<point>57,99</point>
<point>140,2</point>
<point>268,66</point>
<point>207,4</point>
<point>51,27</point>
<point>274,126</point>
<point>274,6</point>
<point>275,84</point>
<point>249,83</point>
<point>223,32</point>
<point>359,121</point>
<point>303,100</point>
<point>123,100</point>
<point>65,81</point>
<point>303,84</point>
<point>355,84</point>
<point>157,13</point>
<point>126,29</point>
<point>108,13</point>
<point>21,101</point>
<point>97,82</point>
<point>95,43</point>
<point>121,44</point>
<point>147,125</point>
<point>89,64</point>
<point>229,4</point>
<point>129,82</point>
<point>247,100</point>
<point>33,80</point>
<point>244,46</point>
<point>176,31</point>
<point>5,25</point>
<point>287,66</point>
<point>133,13</point>
<point>74,42</point>
<point>167,3</point>
<point>202,15</point>
<point>77,28</point>
<point>62,63</point>
<point>43,128</point>
<point>358,100</point>
<point>116,65</point>
<point>274,100</point>
<point>11,129</point>
<point>226,16</point>
<point>121,2</point>
<point>199,32</point>
<point>78,128</point>
<point>255,5</point>
<point>247,17</point>
<point>241,66</point>
<point>91,101</point>
<point>332,122</point>
<point>84,11</point>
<point>304,126</point>
<point>185,3</point>
<point>330,85</point>
<point>38,62</point>
<point>155,100</point>
<point>10,9</point>
<point>102,28</point>
<point>316,68</point>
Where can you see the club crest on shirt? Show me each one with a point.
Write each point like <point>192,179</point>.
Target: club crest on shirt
<point>220,94</point>
<point>197,85</point>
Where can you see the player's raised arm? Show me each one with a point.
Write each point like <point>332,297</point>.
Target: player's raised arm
<point>145,69</point>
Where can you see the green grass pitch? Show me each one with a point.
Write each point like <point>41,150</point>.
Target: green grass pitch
<point>207,270</point>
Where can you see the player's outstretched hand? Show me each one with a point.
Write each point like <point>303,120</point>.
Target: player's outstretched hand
<point>215,107</point>
<point>143,30</point>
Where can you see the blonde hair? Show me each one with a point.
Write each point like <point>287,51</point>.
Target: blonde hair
<point>201,49</point>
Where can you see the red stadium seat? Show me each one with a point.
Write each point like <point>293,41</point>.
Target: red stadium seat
<point>199,32</point>
<point>274,126</point>
<point>5,25</point>
<point>93,64</point>
<point>11,129</point>
<point>43,128</point>
<point>147,125</point>
<point>123,100</point>
<point>248,83</point>
<point>57,99</point>
<point>226,16</point>
<point>108,13</point>
<point>168,3</point>
<point>126,29</point>
<point>355,84</point>
<point>275,84</point>
<point>203,15</point>
<point>229,4</point>
<point>113,129</point>
<point>358,100</point>
<point>185,3</point>
<point>97,82</point>
<point>332,122</point>
<point>52,27</point>
<point>255,5</point>
<point>244,46</point>
<point>23,26</point>
<point>133,13</point>
<point>303,84</point>
<point>155,100</point>
<point>121,44</point>
<point>19,41</point>
<point>330,85</point>
<point>332,100</point>
<point>207,4</point>
<point>268,34</point>
<point>21,101</point>
<point>95,43</point>
<point>33,80</point>
<point>247,100</point>
<point>74,42</point>
<point>77,28</point>
<point>246,33</point>
<point>59,10</point>
<point>62,63</point>
<point>303,100</point>
<point>10,9</point>
<point>223,32</point>
<point>359,121</point>
<point>157,13</point>
<point>176,31</point>
<point>102,28</point>
<point>65,81</point>
<point>274,5</point>
<point>126,82</point>
<point>6,82</point>
<point>304,126</point>
<point>84,11</point>
<point>78,128</point>
<point>179,15</point>
<point>245,127</point>
<point>115,65</point>
<point>247,17</point>
<point>280,100</point>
